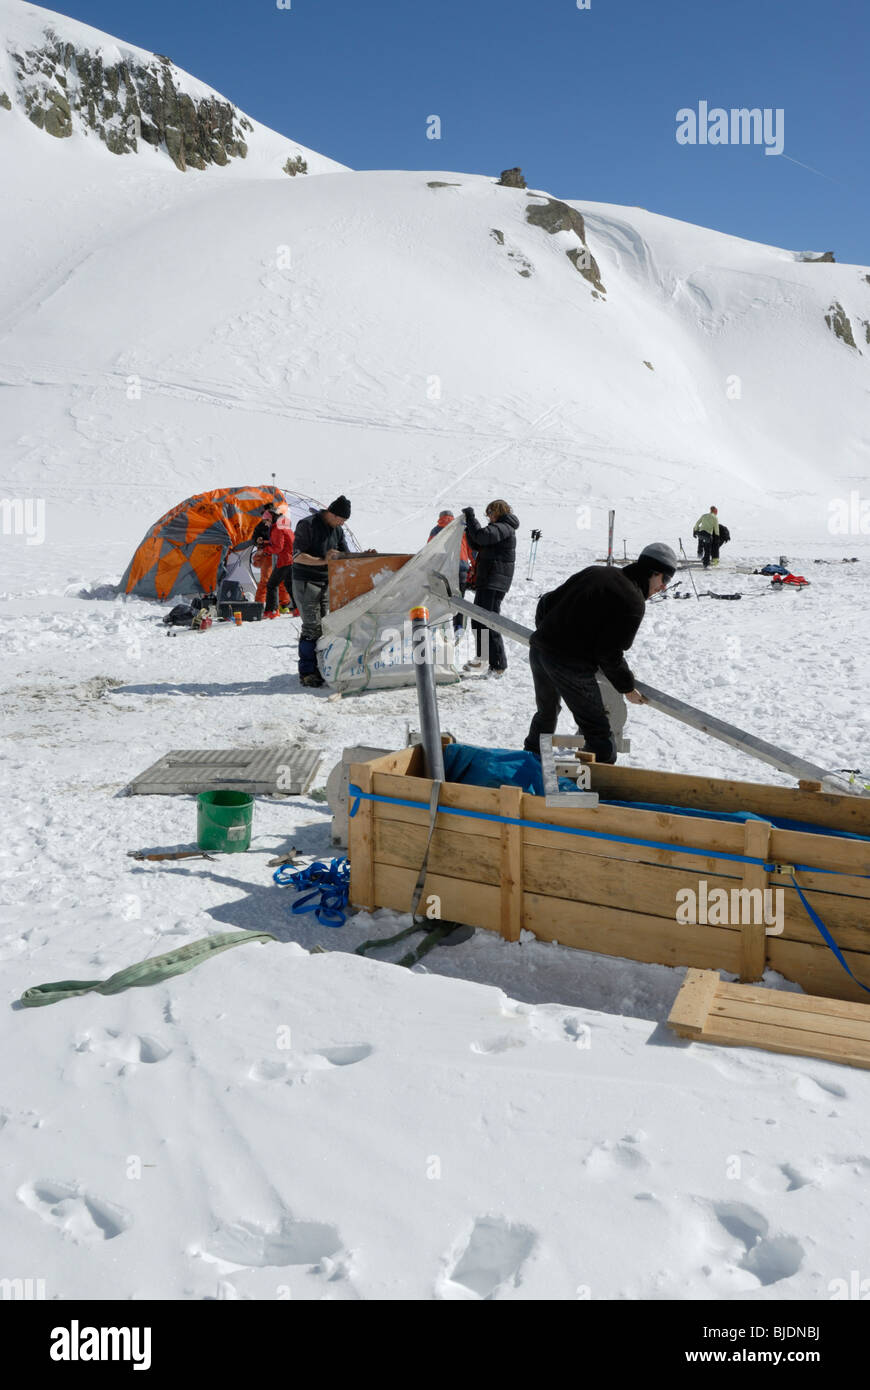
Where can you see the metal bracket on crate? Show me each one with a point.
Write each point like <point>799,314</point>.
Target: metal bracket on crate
<point>582,800</point>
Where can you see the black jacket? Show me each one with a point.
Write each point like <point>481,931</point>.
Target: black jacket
<point>314,537</point>
<point>592,620</point>
<point>496,547</point>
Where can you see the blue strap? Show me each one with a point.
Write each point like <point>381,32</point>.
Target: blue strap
<point>328,888</point>
<point>359,795</point>
<point>826,935</point>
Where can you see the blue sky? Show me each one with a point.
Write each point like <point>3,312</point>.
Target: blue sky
<point>585,101</point>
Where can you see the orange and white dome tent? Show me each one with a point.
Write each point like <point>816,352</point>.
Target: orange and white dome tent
<point>186,551</point>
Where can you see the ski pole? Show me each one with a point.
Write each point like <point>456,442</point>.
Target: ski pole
<point>689,568</point>
<point>533,553</point>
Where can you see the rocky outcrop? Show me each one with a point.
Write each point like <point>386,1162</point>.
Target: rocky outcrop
<point>62,88</point>
<point>511,178</point>
<point>295,166</point>
<point>5,102</point>
<point>837,320</point>
<point>555,216</point>
<point>811,259</point>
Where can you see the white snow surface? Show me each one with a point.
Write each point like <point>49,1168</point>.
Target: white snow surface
<point>513,1120</point>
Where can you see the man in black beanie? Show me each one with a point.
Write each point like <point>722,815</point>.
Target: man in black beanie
<point>316,536</point>
<point>586,625</point>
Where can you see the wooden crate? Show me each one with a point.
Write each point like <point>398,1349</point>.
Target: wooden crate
<point>709,1010</point>
<point>617,898</point>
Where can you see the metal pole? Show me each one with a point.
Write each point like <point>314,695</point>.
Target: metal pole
<point>689,568</point>
<point>611,520</point>
<point>685,713</point>
<point>427,704</point>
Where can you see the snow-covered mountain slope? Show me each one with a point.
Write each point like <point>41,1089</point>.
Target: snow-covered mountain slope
<point>409,338</point>
<point>70,80</point>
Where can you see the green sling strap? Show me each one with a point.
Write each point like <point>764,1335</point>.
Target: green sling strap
<point>144,972</point>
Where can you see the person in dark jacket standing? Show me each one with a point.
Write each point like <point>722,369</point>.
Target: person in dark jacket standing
<point>586,625</point>
<point>496,548</point>
<point>316,536</point>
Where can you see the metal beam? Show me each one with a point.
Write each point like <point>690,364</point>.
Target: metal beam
<point>708,724</point>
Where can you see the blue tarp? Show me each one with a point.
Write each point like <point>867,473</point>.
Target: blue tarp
<point>508,767</point>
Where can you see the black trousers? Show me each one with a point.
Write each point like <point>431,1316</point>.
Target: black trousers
<point>485,639</point>
<point>281,575</point>
<point>705,541</point>
<point>556,681</point>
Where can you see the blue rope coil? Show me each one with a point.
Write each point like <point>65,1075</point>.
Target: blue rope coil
<point>325,889</point>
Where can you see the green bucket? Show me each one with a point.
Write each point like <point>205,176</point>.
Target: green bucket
<point>223,821</point>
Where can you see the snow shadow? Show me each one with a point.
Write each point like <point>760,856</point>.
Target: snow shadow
<point>282,684</point>
<point>531,972</point>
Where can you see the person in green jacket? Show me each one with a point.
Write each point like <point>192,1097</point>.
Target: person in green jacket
<point>706,527</point>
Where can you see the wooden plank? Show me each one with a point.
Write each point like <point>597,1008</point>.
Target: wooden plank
<point>406,762</point>
<point>510,804</point>
<point>360,842</point>
<point>694,1001</point>
<point>838,812</point>
<point>632,935</point>
<point>644,888</point>
<point>820,851</point>
<point>753,941</point>
<point>817,970</point>
<point>483,799</point>
<point>810,1003</point>
<point>792,1040</point>
<point>698,831</point>
<point>474,858</point>
<point>709,1011</point>
<point>474,904</point>
<point>836,885</point>
<point>847,919</point>
<point>770,1012</point>
<point>697,864</point>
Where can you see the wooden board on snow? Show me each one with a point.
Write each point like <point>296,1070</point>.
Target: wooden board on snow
<point>711,1011</point>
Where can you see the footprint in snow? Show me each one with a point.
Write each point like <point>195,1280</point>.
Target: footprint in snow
<point>610,1156</point>
<point>123,1047</point>
<point>490,1046</point>
<point>250,1245</point>
<point>77,1214</point>
<point>300,1065</point>
<point>739,1240</point>
<point>819,1091</point>
<point>490,1260</point>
